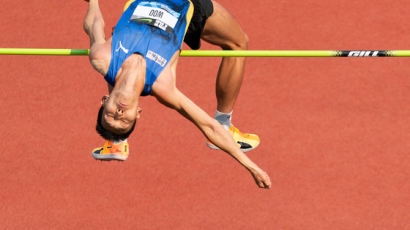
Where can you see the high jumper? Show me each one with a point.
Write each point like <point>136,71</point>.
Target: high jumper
<point>141,59</point>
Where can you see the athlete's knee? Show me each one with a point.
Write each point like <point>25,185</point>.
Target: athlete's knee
<point>240,43</point>
<point>243,44</point>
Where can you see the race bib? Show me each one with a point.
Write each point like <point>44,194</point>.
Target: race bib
<point>156,14</point>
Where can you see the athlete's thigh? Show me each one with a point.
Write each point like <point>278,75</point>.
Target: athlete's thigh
<point>222,29</point>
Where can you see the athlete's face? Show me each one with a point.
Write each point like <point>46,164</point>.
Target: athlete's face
<point>119,113</point>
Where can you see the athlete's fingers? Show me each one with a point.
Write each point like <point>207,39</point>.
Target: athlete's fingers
<point>267,182</point>
<point>264,181</point>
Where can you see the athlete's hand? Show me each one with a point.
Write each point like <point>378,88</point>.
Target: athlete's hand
<point>261,178</point>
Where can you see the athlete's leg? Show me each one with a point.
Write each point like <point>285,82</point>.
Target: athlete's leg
<point>223,30</point>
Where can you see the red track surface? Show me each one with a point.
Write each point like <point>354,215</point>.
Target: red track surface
<point>335,131</point>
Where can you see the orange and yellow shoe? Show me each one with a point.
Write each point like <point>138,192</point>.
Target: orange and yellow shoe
<point>246,141</point>
<point>111,151</point>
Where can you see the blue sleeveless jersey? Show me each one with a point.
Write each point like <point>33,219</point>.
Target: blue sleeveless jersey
<point>154,29</point>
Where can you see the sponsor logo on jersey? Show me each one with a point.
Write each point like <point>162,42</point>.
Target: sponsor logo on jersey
<point>156,58</point>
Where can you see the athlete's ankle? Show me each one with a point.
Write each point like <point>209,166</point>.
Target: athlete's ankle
<point>224,119</point>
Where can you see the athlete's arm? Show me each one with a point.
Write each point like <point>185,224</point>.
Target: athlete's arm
<point>173,98</point>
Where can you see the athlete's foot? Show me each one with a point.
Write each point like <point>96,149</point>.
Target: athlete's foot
<point>246,141</point>
<point>111,151</point>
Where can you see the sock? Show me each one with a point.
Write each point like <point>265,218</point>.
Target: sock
<point>119,142</point>
<point>224,119</point>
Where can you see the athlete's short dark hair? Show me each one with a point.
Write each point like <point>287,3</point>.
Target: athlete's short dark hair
<point>109,135</point>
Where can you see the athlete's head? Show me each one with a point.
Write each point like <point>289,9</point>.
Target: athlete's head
<point>117,116</point>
